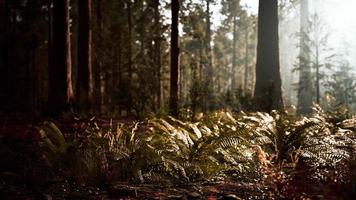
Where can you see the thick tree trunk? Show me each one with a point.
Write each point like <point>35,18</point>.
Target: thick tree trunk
<point>84,85</point>
<point>173,101</point>
<point>3,54</point>
<point>60,72</point>
<point>268,93</point>
<point>305,94</point>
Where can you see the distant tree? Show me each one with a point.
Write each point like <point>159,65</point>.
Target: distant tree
<point>321,54</point>
<point>60,71</point>
<point>232,9</point>
<point>341,88</point>
<point>173,102</point>
<point>305,93</point>
<point>84,85</point>
<point>317,55</point>
<point>268,94</point>
<point>209,89</point>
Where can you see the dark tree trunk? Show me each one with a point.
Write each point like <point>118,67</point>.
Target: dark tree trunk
<point>157,47</point>
<point>129,52</point>
<point>98,70</point>
<point>268,94</point>
<point>173,101</point>
<point>305,94</point>
<point>3,53</point>
<point>84,85</point>
<point>60,72</point>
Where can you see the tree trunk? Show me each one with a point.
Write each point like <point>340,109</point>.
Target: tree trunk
<point>246,62</point>
<point>98,72</point>
<point>209,63</point>
<point>305,97</point>
<point>84,85</point>
<point>157,47</point>
<point>268,93</point>
<point>173,101</point>
<point>129,81</point>
<point>4,13</point>
<point>60,72</point>
<point>234,56</point>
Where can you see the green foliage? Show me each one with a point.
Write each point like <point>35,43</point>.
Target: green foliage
<point>217,146</point>
<point>271,149</point>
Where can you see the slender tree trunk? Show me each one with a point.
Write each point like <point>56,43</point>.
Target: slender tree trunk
<point>129,52</point>
<point>246,62</point>
<point>60,73</point>
<point>173,101</point>
<point>234,56</point>
<point>98,96</point>
<point>84,86</point>
<point>157,47</point>
<point>305,97</point>
<point>268,93</point>
<point>209,91</point>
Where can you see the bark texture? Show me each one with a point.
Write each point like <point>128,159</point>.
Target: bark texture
<point>268,93</point>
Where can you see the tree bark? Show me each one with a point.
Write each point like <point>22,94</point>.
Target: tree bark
<point>84,85</point>
<point>305,96</point>
<point>268,93</point>
<point>234,55</point>
<point>246,62</point>
<point>209,91</point>
<point>173,102</point>
<point>129,81</point>
<point>60,72</point>
<point>157,47</point>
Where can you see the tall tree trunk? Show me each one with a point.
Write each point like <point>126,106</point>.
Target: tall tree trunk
<point>129,52</point>
<point>305,97</point>
<point>173,101</point>
<point>60,72</point>
<point>234,56</point>
<point>268,92</point>
<point>157,47</point>
<point>246,61</point>
<point>4,15</point>
<point>84,85</point>
<point>98,72</point>
<point>209,63</point>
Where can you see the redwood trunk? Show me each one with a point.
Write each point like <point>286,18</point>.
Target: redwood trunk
<point>173,102</point>
<point>60,71</point>
<point>84,86</point>
<point>268,93</point>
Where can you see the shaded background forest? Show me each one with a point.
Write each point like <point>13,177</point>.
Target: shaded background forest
<point>119,57</point>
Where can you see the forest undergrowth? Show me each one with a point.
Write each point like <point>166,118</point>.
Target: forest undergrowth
<point>222,155</point>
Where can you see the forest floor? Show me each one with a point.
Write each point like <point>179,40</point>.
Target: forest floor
<point>274,184</point>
